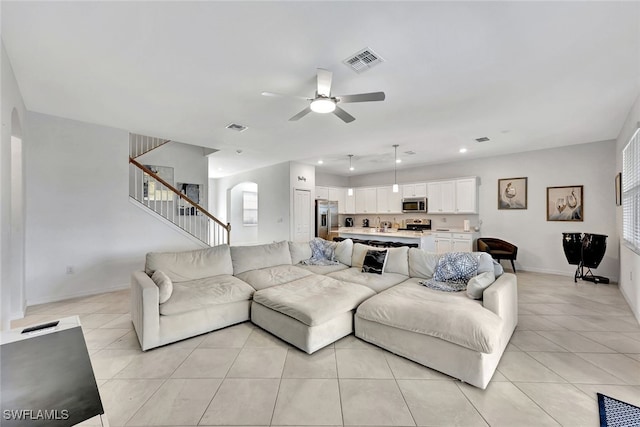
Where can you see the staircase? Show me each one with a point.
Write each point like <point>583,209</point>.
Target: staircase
<point>162,198</point>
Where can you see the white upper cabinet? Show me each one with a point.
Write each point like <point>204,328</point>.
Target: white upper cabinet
<point>322,193</point>
<point>339,195</point>
<point>350,203</point>
<point>453,196</point>
<point>414,190</point>
<point>366,200</point>
<point>467,195</point>
<point>388,201</point>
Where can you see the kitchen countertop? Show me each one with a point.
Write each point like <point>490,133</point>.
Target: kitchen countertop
<point>398,233</point>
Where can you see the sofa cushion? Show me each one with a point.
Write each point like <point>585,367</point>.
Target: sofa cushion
<point>344,251</point>
<point>191,265</point>
<point>374,261</point>
<point>272,276</point>
<point>313,300</point>
<point>164,284</point>
<point>299,251</point>
<point>397,259</point>
<point>377,282</point>
<point>246,258</point>
<point>201,293</point>
<point>422,264</point>
<point>477,285</point>
<point>449,316</point>
<point>323,269</point>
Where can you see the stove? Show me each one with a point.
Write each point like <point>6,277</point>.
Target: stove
<point>417,225</point>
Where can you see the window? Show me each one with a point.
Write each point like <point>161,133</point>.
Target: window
<point>249,208</point>
<point>631,192</point>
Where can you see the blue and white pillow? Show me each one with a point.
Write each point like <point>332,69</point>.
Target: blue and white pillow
<point>453,271</point>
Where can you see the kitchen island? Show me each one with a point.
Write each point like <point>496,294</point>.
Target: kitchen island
<point>425,241</point>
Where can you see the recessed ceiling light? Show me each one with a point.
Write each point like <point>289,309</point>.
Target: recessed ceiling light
<point>320,162</point>
<point>463,150</point>
<point>238,152</point>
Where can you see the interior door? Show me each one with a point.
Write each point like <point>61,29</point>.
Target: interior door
<point>301,215</point>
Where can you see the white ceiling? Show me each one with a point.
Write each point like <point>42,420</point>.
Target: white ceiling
<point>527,75</point>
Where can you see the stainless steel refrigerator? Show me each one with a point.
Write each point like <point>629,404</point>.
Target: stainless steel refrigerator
<point>326,219</point>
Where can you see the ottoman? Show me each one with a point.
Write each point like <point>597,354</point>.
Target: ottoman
<point>309,313</point>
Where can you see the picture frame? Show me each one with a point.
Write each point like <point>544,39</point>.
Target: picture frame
<point>192,191</point>
<point>619,189</point>
<point>565,203</point>
<point>512,193</point>
<point>154,190</point>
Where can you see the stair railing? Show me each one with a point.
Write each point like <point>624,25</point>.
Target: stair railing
<point>147,188</point>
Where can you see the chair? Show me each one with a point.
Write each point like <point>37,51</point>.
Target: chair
<point>498,249</point>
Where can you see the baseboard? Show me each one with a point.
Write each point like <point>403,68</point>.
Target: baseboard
<point>614,279</point>
<point>83,293</point>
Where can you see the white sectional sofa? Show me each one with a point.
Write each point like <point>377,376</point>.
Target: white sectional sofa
<point>311,306</point>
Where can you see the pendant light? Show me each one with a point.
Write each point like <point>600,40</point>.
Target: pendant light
<point>395,187</point>
<point>350,189</point>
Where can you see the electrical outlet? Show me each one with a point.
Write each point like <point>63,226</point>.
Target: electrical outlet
<point>444,219</point>
<point>70,269</point>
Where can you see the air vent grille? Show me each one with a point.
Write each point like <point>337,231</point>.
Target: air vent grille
<point>236,127</point>
<point>363,60</point>
<point>482,139</point>
<point>410,152</point>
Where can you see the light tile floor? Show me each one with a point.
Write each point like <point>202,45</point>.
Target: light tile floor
<point>572,341</point>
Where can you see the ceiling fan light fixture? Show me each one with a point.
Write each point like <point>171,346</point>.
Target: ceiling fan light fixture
<point>322,105</point>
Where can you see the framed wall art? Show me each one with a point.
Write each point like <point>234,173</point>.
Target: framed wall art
<point>512,193</point>
<point>565,203</point>
<point>192,191</point>
<point>154,190</point>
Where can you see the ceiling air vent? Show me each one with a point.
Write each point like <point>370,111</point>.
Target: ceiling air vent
<point>363,60</point>
<point>236,127</point>
<point>482,139</point>
<point>410,152</point>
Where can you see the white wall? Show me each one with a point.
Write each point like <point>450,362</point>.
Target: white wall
<point>539,241</point>
<point>79,213</point>
<point>629,260</point>
<point>273,200</point>
<point>189,163</point>
<point>325,179</point>
<point>11,230</point>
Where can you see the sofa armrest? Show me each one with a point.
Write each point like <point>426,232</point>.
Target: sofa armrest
<point>145,310</point>
<point>502,299</point>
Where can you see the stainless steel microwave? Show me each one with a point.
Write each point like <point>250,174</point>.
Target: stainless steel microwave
<point>414,204</point>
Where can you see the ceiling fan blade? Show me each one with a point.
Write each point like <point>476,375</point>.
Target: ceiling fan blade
<point>362,97</point>
<point>346,117</point>
<point>324,82</point>
<point>285,96</point>
<point>301,114</point>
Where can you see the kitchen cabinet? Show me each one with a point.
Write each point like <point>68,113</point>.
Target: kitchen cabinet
<point>456,196</point>
<point>339,195</point>
<point>454,242</point>
<point>388,201</point>
<point>366,200</point>
<point>350,203</point>
<point>467,195</point>
<point>414,190</point>
<point>441,196</point>
<point>322,193</point>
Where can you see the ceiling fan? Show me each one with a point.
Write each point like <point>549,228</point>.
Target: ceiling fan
<point>323,102</point>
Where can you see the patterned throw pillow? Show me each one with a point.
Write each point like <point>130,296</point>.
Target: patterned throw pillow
<point>453,271</point>
<point>374,261</point>
<point>456,267</point>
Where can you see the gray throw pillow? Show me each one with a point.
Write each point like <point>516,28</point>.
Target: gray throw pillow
<point>477,285</point>
<point>164,284</point>
<point>497,269</point>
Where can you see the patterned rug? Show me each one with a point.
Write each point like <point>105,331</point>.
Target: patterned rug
<point>615,413</point>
